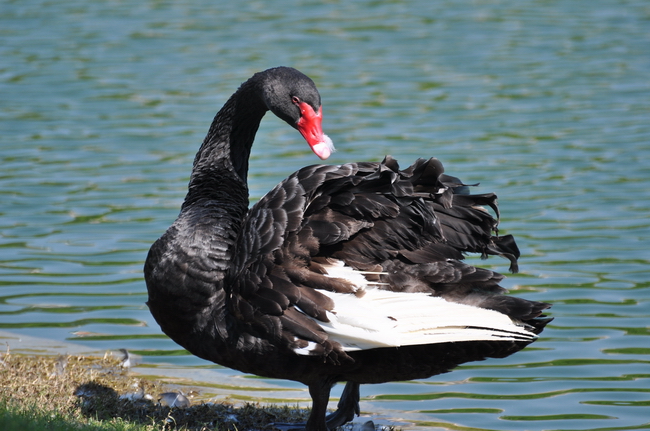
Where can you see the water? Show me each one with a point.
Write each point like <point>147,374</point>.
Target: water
<point>546,103</point>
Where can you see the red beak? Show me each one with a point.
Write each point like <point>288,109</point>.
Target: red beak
<point>309,126</point>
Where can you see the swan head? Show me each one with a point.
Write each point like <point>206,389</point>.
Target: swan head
<point>293,97</point>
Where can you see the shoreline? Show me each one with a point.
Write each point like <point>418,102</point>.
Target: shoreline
<point>212,382</point>
<point>78,391</point>
<point>84,385</point>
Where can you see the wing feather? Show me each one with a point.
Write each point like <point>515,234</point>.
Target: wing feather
<point>404,231</point>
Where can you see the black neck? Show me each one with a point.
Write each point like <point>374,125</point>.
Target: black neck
<point>220,168</point>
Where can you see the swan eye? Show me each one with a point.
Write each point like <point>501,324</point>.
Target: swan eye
<point>295,100</point>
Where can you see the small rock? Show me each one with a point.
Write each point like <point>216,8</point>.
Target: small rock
<point>174,399</point>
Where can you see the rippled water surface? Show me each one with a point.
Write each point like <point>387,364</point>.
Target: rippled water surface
<point>546,103</point>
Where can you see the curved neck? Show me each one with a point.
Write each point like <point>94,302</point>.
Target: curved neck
<point>220,169</point>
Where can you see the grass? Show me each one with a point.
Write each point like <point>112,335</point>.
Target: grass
<point>35,419</point>
<point>47,393</point>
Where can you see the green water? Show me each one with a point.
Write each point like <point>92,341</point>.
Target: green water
<point>546,103</point>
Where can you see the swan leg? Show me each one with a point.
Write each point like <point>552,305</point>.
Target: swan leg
<point>320,395</point>
<point>347,407</point>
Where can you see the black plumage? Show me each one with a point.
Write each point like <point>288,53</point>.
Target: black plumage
<point>250,289</point>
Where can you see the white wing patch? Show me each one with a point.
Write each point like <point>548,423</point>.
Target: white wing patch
<point>381,318</point>
<point>338,269</point>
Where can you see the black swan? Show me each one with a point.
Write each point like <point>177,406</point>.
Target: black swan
<point>350,273</point>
